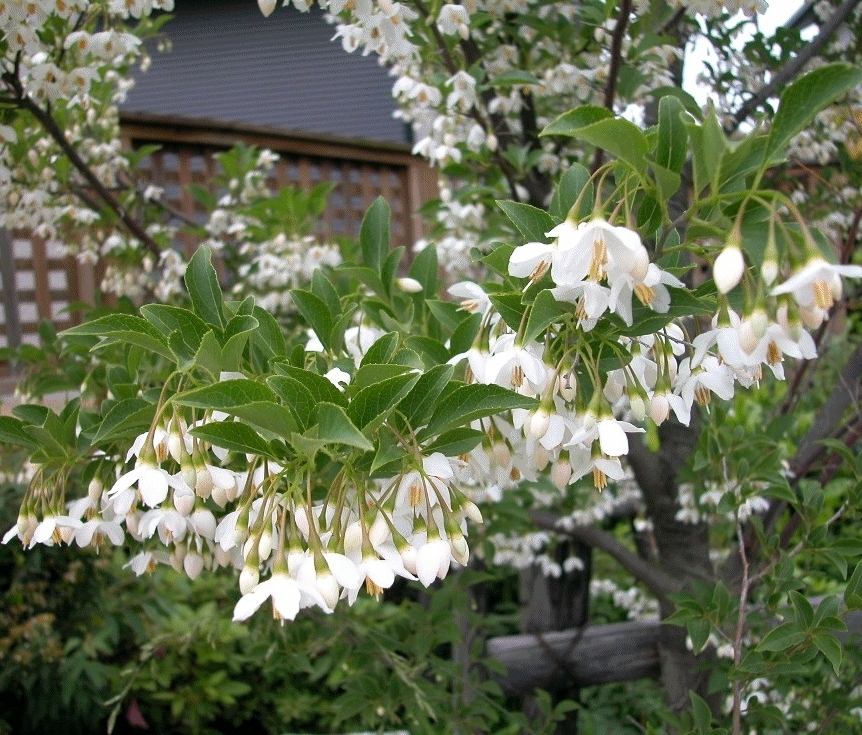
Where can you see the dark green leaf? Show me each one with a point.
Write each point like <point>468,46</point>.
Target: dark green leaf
<point>571,186</point>
<point>336,427</point>
<point>374,234</point>
<point>545,311</point>
<point>126,419</point>
<point>124,328</point>
<point>316,313</point>
<point>371,405</point>
<point>204,289</point>
<point>531,221</point>
<point>470,402</point>
<point>805,97</point>
<point>672,145</point>
<point>456,442</point>
<point>234,436</point>
<point>418,404</point>
<point>14,431</point>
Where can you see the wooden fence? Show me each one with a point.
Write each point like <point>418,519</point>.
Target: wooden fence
<point>38,282</point>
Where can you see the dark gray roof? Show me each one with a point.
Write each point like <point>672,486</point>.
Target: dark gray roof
<point>230,64</point>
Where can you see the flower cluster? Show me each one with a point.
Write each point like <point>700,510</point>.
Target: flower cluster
<point>196,506</point>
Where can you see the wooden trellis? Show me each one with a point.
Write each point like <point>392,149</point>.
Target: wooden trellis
<point>39,282</point>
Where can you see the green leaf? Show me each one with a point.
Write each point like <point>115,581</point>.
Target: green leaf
<point>853,591</point>
<point>709,145</point>
<point>829,646</point>
<point>456,442</point>
<point>322,287</point>
<point>268,337</point>
<point>14,431</point>
<point>236,335</point>
<point>701,713</point>
<point>570,122</point>
<point>672,144</point>
<point>316,313</point>
<point>125,328</point>
<point>698,631</point>
<point>571,186</point>
<point>168,319</point>
<point>225,395</point>
<point>234,436</point>
<point>424,269</point>
<point>531,221</point>
<point>204,289</point>
<point>545,311</point>
<point>319,387</point>
<point>510,307</point>
<point>418,404</point>
<point>296,397</point>
<point>781,638</point>
<point>382,350</point>
<point>374,234</point>
<point>371,405</point>
<point>336,427</point>
<point>809,94</point>
<point>125,418</point>
<point>514,78</point>
<point>470,402</point>
<point>803,613</point>
<point>621,138</point>
<point>498,259</point>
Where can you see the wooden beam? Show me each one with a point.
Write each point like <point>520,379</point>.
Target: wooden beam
<point>597,654</point>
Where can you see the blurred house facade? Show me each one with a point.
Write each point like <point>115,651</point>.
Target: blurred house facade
<point>227,75</point>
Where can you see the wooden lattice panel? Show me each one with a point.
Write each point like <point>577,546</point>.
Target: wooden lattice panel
<point>357,185</point>
<point>46,282</point>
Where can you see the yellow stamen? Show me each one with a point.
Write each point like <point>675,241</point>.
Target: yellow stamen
<point>702,395</point>
<point>517,376</point>
<point>372,588</point>
<point>539,271</point>
<point>416,494</point>
<point>600,259</point>
<point>773,353</point>
<point>823,294</point>
<point>644,293</point>
<point>600,479</point>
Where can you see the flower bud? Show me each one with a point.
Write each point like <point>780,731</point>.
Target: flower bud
<point>728,268</point>
<point>539,423</point>
<point>561,473</point>
<point>248,579</point>
<point>409,285</point>
<point>328,588</point>
<point>193,564</point>
<point>266,7</point>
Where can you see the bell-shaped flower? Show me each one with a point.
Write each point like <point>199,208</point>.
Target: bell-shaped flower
<point>818,283</point>
<point>433,559</point>
<point>511,364</point>
<point>728,268</point>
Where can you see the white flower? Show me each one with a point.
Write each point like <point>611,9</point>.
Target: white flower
<point>288,596</point>
<point>818,283</point>
<point>728,268</point>
<point>432,561</point>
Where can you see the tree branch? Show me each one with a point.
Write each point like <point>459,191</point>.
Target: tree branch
<point>46,120</point>
<point>614,68</point>
<point>659,583</point>
<point>792,68</point>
